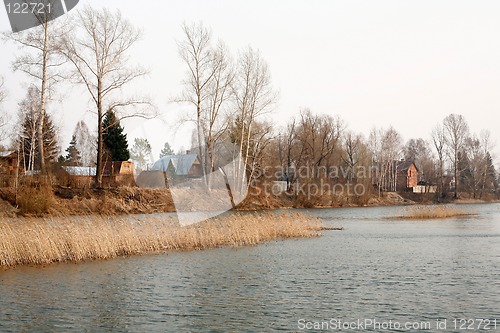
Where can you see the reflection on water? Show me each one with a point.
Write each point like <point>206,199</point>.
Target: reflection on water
<point>376,268</point>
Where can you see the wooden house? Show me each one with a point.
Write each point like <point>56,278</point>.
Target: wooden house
<point>8,162</point>
<point>8,168</point>
<point>77,177</point>
<point>179,168</point>
<point>114,174</point>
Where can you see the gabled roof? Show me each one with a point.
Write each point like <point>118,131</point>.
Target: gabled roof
<point>80,171</point>
<point>405,165</point>
<point>181,163</point>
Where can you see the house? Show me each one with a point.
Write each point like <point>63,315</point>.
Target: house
<point>8,168</point>
<point>406,175</point>
<point>114,174</point>
<point>8,162</point>
<point>77,177</point>
<point>178,168</point>
<point>121,168</point>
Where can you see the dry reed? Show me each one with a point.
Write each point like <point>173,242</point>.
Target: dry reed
<point>44,241</point>
<point>435,212</point>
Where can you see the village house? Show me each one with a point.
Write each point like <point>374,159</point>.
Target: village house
<point>8,162</point>
<point>114,174</point>
<point>175,169</point>
<point>406,176</point>
<point>8,167</point>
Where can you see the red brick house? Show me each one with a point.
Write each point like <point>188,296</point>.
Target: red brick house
<point>407,175</point>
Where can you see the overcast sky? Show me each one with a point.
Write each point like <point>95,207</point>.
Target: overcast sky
<point>374,63</point>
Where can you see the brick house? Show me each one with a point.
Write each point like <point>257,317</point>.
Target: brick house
<point>407,175</point>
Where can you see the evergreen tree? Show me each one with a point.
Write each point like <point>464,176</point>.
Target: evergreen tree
<point>115,141</point>
<point>167,150</point>
<point>73,156</point>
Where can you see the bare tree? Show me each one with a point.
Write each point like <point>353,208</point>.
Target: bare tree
<point>352,145</point>
<point>487,146</point>
<point>3,118</point>
<point>456,132</point>
<point>99,50</point>
<point>41,61</point>
<point>386,150</point>
<point>196,52</point>
<point>254,96</point>
<point>439,142</point>
<point>219,95</point>
<point>85,143</point>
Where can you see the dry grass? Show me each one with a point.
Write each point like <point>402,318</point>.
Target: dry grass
<point>35,197</point>
<point>44,241</point>
<point>435,212</point>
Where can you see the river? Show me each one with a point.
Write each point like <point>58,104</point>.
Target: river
<point>378,268</point>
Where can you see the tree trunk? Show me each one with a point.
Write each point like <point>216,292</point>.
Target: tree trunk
<point>100,145</point>
<point>41,118</point>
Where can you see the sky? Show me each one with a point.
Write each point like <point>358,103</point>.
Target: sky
<point>373,63</point>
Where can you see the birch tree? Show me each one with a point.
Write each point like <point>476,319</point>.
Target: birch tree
<point>219,96</point>
<point>196,52</point>
<point>456,132</point>
<point>41,61</point>
<point>99,51</point>
<point>3,117</point>
<point>254,96</point>
<point>439,142</point>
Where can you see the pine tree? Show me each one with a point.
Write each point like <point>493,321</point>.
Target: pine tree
<point>115,141</point>
<point>73,156</point>
<point>167,150</point>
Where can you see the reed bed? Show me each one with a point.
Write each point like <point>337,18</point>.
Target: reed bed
<point>45,241</point>
<point>435,212</point>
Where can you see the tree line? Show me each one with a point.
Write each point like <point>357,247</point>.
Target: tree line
<point>230,97</point>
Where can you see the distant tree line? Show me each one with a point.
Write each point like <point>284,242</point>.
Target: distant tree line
<point>230,98</point>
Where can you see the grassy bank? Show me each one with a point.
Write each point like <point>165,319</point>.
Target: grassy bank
<point>44,241</point>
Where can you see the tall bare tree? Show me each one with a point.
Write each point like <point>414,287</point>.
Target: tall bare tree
<point>41,61</point>
<point>99,51</point>
<point>220,94</point>
<point>3,117</point>
<point>85,143</point>
<point>456,132</point>
<point>487,146</point>
<point>386,150</point>
<point>439,143</point>
<point>197,53</point>
<point>254,96</point>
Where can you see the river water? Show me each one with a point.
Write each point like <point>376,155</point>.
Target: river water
<point>384,270</point>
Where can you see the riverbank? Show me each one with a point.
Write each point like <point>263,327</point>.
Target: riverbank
<point>38,241</point>
<point>61,202</point>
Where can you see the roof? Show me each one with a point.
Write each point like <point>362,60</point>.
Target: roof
<point>181,163</point>
<point>405,165</point>
<point>80,171</point>
<point>6,153</point>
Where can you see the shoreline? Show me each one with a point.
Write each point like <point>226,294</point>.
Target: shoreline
<point>134,201</point>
